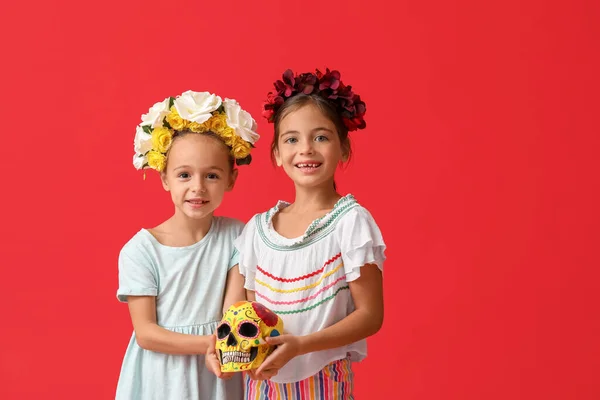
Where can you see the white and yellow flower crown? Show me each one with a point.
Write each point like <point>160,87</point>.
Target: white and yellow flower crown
<point>195,112</point>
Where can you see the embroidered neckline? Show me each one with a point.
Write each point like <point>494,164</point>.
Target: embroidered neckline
<point>315,231</point>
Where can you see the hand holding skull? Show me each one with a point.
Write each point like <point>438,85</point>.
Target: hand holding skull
<point>287,347</point>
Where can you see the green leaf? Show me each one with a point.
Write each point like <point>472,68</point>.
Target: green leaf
<point>166,124</point>
<point>147,129</point>
<point>244,161</point>
<point>171,101</point>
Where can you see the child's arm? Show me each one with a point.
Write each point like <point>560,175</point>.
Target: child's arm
<point>152,337</point>
<point>234,292</point>
<point>364,321</point>
<point>234,289</point>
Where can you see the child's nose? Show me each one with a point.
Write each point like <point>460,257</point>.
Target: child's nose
<point>199,185</point>
<point>306,148</point>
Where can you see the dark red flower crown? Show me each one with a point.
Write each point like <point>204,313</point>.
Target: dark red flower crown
<point>328,85</point>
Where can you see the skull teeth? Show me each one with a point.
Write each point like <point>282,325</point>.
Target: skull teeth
<point>235,356</point>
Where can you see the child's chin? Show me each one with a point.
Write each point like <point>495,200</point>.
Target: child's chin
<point>199,214</point>
<point>307,181</point>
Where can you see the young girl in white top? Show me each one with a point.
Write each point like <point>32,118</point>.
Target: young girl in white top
<point>174,276</point>
<point>318,261</point>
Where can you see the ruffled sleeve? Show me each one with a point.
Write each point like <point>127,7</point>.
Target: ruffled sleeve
<point>361,242</point>
<point>247,257</point>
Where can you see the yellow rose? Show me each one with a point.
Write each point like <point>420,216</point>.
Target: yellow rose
<point>198,128</point>
<point>218,122</point>
<point>161,139</point>
<point>176,121</point>
<point>156,160</point>
<point>228,136</point>
<point>240,149</point>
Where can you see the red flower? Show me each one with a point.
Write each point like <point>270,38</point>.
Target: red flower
<point>268,114</point>
<point>273,102</point>
<point>268,316</point>
<point>328,85</point>
<point>305,83</point>
<point>286,86</point>
<point>329,80</point>
<point>354,123</point>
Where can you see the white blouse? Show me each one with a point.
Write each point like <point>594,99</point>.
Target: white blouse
<point>305,280</point>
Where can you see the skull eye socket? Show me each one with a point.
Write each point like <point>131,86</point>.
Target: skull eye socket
<point>223,330</point>
<point>248,330</point>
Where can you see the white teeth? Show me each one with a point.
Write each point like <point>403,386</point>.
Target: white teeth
<point>307,165</point>
<point>235,356</point>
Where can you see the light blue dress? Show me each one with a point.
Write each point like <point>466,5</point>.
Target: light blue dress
<point>189,285</point>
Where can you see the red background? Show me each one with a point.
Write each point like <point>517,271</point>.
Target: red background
<point>479,162</point>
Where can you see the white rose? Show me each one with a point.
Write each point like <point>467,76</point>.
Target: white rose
<point>241,121</point>
<point>139,160</point>
<point>142,142</point>
<point>156,114</point>
<point>197,106</point>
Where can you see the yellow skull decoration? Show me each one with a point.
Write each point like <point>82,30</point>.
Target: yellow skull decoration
<point>241,335</point>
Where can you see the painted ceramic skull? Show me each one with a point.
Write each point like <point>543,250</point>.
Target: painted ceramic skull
<point>241,336</point>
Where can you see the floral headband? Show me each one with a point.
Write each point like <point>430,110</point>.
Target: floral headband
<point>328,85</point>
<point>196,112</point>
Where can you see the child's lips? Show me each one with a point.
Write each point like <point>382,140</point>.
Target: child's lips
<point>197,202</point>
<point>308,167</point>
<point>308,164</point>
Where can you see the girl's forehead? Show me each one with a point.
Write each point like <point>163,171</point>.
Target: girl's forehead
<point>198,143</point>
<point>196,150</point>
<point>306,116</point>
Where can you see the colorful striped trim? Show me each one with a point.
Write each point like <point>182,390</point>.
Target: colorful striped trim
<point>314,305</point>
<point>300,289</point>
<point>332,259</point>
<point>334,382</point>
<point>341,278</point>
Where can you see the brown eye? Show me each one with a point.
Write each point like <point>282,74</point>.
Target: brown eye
<point>248,329</point>
<point>223,330</point>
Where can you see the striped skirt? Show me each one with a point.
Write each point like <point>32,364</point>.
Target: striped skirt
<point>334,382</point>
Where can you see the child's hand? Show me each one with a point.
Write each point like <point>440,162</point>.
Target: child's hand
<point>265,375</point>
<point>212,362</point>
<point>288,347</point>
